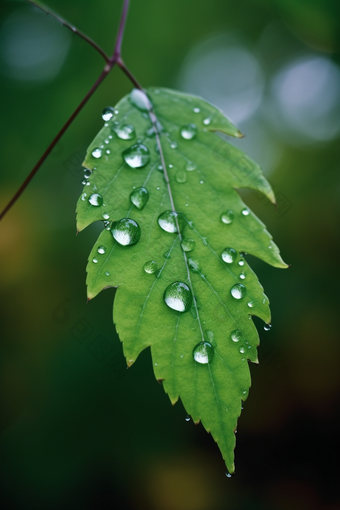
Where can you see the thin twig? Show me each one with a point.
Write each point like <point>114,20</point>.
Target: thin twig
<point>73,29</point>
<point>125,70</point>
<point>119,40</point>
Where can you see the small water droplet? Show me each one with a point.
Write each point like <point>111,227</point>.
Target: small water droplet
<point>97,153</point>
<point>137,156</point>
<point>187,418</point>
<point>87,173</point>
<point>139,197</point>
<point>229,255</point>
<point>188,244</point>
<point>236,335</point>
<point>160,168</point>
<point>150,267</point>
<point>227,474</point>
<point>201,181</point>
<point>241,263</point>
<point>251,304</point>
<point>204,241</point>
<point>126,231</point>
<point>101,249</point>
<point>105,216</point>
<point>106,141</point>
<point>194,265</point>
<point>207,121</point>
<point>245,212</point>
<point>227,217</point>
<point>242,350</point>
<point>178,296</point>
<point>107,273</point>
<point>152,131</point>
<point>238,291</point>
<point>108,151</point>
<point>181,177</point>
<point>188,132</point>
<point>171,166</point>
<point>124,131</point>
<point>140,100</point>
<point>267,327</point>
<point>107,113</point>
<point>96,200</point>
<point>190,166</point>
<point>196,110</point>
<point>167,221</point>
<point>95,260</point>
<point>203,353</point>
<point>242,275</point>
<point>83,197</point>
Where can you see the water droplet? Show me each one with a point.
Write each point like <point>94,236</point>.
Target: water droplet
<point>167,255</point>
<point>242,350</point>
<point>106,141</point>
<point>204,241</point>
<point>267,327</point>
<point>229,255</point>
<point>126,231</point>
<point>83,197</point>
<point>210,336</point>
<point>251,304</point>
<point>160,168</point>
<point>196,110</point>
<point>188,131</point>
<point>194,265</point>
<point>178,296</point>
<point>150,267</point>
<point>101,249</point>
<point>137,156</point>
<point>201,181</point>
<point>96,199</point>
<point>227,217</point>
<point>203,353</point>
<point>124,131</point>
<point>140,100</point>
<point>108,151</point>
<point>173,145</point>
<point>190,166</point>
<point>95,260</point>
<point>207,121</point>
<point>107,113</point>
<point>167,221</point>
<point>188,244</point>
<point>97,153</point>
<point>87,173</point>
<point>171,166</point>
<point>236,335</point>
<point>181,177</point>
<point>187,418</point>
<point>107,273</point>
<point>241,263</point>
<point>238,291</point>
<point>106,216</point>
<point>245,212</point>
<point>139,197</point>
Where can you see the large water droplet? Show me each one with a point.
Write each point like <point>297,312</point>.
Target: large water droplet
<point>181,176</point>
<point>203,352</point>
<point>96,199</point>
<point>126,231</point>
<point>188,244</point>
<point>97,153</point>
<point>238,291</point>
<point>167,221</point>
<point>178,296</point>
<point>137,156</point>
<point>124,131</point>
<point>139,197</point>
<point>227,217</point>
<point>140,100</point>
<point>229,255</point>
<point>101,249</point>
<point>150,267</point>
<point>188,131</point>
<point>107,113</point>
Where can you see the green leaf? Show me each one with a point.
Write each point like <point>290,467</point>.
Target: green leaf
<point>204,174</point>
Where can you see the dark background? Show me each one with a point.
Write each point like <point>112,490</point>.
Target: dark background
<point>77,429</point>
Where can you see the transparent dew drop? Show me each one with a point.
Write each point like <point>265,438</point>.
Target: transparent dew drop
<point>181,177</point>
<point>150,267</point>
<point>106,216</point>
<point>251,304</point>
<point>167,221</point>
<point>229,255</point>
<point>160,168</point>
<point>196,110</point>
<point>245,212</point>
<point>140,100</point>
<point>242,275</point>
<point>173,145</point>
<point>126,231</point>
<point>206,122</point>
<point>124,131</point>
<point>236,335</point>
<point>84,181</point>
<point>107,273</point>
<point>190,166</point>
<point>139,197</point>
<point>101,249</point>
<point>203,353</point>
<point>227,217</point>
<point>241,263</point>
<point>242,350</point>
<point>238,291</point>
<point>188,132</point>
<point>152,131</point>
<point>87,173</point>
<point>194,265</point>
<point>267,327</point>
<point>97,153</point>
<point>96,200</point>
<point>188,244</point>
<point>137,156</point>
<point>83,196</point>
<point>107,113</point>
<point>178,296</point>
<point>167,255</point>
<point>95,260</point>
<point>187,418</point>
<point>108,151</point>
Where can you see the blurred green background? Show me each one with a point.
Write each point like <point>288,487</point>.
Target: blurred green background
<point>78,430</point>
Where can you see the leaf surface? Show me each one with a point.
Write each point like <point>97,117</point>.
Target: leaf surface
<point>204,173</point>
